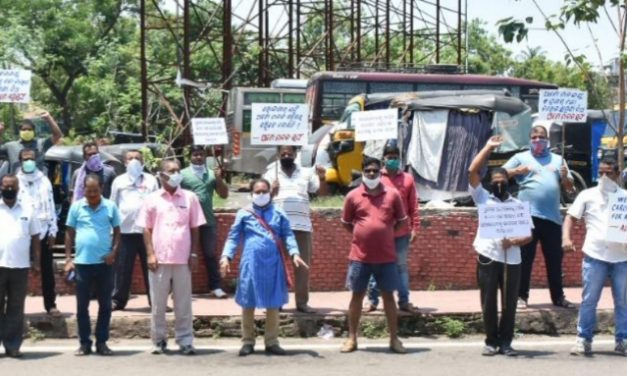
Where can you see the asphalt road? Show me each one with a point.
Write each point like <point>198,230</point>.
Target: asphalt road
<point>539,355</point>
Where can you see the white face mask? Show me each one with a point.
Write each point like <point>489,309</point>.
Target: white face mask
<point>174,179</point>
<point>134,169</point>
<point>607,185</point>
<point>261,199</point>
<point>199,169</point>
<point>371,183</point>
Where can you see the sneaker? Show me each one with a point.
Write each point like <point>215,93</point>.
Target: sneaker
<point>218,293</point>
<point>103,349</point>
<point>159,348</point>
<point>621,348</point>
<point>246,349</point>
<point>563,303</point>
<point>489,350</point>
<point>188,350</point>
<point>508,350</point>
<point>83,350</point>
<point>54,312</point>
<point>522,303</point>
<point>582,347</point>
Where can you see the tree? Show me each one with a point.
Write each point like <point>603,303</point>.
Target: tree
<point>581,13</point>
<point>57,39</point>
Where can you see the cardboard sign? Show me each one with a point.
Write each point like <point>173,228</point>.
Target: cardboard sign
<point>617,217</point>
<point>15,85</point>
<point>567,105</point>
<point>505,220</point>
<point>209,131</point>
<point>279,124</point>
<point>375,125</point>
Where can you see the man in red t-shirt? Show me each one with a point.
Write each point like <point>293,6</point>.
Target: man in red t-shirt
<point>372,213</point>
<point>392,176</point>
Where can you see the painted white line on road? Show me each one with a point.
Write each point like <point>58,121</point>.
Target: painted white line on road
<point>332,346</point>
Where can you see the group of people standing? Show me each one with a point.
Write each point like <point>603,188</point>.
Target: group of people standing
<point>168,221</point>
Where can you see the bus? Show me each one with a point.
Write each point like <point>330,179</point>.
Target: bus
<point>328,93</point>
<point>240,155</point>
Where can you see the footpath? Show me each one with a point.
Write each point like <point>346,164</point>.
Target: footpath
<point>441,312</point>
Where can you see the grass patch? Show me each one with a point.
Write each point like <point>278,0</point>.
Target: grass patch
<point>453,328</point>
<point>328,202</point>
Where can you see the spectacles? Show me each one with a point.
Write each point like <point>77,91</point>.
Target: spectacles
<point>371,170</point>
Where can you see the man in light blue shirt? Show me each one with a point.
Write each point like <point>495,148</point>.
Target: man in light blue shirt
<point>539,174</point>
<point>93,224</point>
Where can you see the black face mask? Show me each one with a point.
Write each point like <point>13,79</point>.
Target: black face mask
<point>287,162</point>
<point>500,190</point>
<point>9,194</point>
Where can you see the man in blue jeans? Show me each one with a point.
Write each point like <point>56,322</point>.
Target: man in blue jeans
<point>93,223</point>
<point>392,176</point>
<point>602,259</point>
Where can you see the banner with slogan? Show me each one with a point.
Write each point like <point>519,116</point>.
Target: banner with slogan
<point>567,105</point>
<point>504,220</point>
<point>15,85</point>
<point>617,217</point>
<point>375,125</point>
<point>276,124</point>
<point>209,131</point>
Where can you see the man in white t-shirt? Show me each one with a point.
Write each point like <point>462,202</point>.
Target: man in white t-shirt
<point>498,260</point>
<point>603,259</point>
<point>291,193</point>
<point>20,228</point>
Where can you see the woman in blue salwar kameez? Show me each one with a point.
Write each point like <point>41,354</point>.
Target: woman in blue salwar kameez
<point>262,275</point>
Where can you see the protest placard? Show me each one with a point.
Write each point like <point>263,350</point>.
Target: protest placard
<point>15,85</point>
<point>504,220</point>
<point>209,131</point>
<point>375,125</point>
<point>617,218</point>
<point>566,105</point>
<point>279,124</point>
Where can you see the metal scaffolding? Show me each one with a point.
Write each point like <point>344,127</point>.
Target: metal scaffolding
<point>253,42</point>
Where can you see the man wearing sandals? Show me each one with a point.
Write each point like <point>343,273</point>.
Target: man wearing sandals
<point>372,213</point>
<point>539,174</point>
<point>602,260</point>
<point>498,261</point>
<point>392,176</point>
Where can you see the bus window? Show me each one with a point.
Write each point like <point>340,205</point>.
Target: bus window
<point>293,98</point>
<point>344,87</point>
<point>333,105</point>
<point>253,97</point>
<point>390,87</point>
<point>246,120</point>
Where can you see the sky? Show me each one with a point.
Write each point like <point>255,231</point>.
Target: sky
<point>579,39</point>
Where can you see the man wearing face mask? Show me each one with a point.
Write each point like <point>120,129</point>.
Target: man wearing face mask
<point>128,192</point>
<point>372,213</point>
<point>291,187</point>
<point>28,140</point>
<point>392,176</point>
<point>93,165</point>
<point>539,174</point>
<point>171,218</point>
<point>603,259</point>
<point>36,192</point>
<point>498,261</point>
<point>203,182</point>
<point>20,231</point>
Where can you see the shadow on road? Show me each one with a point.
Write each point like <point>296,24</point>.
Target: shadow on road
<point>36,355</point>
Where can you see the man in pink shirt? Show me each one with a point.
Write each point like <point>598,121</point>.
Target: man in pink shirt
<point>392,176</point>
<point>372,212</point>
<point>171,217</point>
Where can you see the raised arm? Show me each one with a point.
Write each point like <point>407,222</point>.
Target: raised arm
<point>480,160</point>
<point>57,134</point>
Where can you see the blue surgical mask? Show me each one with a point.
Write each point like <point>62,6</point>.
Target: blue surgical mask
<point>29,166</point>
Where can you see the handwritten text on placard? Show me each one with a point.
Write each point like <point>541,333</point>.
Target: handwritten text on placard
<point>375,125</point>
<point>279,124</point>
<point>504,220</point>
<point>568,105</point>
<point>15,85</point>
<point>617,217</point>
<point>209,131</point>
